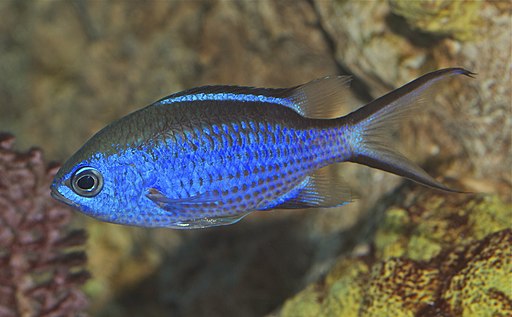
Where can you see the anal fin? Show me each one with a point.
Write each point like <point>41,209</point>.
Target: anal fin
<point>322,189</point>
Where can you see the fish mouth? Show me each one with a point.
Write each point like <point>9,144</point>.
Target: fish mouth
<point>57,195</point>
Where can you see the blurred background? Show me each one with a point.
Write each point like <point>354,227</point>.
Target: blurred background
<point>68,68</point>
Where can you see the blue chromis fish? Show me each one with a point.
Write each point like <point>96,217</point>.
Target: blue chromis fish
<point>209,156</point>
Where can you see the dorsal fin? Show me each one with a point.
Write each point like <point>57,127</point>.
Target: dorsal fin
<point>319,99</point>
<point>322,98</point>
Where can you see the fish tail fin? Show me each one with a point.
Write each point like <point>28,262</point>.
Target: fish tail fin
<point>368,127</point>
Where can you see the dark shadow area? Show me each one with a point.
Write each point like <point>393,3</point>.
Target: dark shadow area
<point>399,26</point>
<point>247,269</point>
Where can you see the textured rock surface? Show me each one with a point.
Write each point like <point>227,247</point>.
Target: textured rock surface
<point>436,255</point>
<point>100,60</point>
<point>386,44</point>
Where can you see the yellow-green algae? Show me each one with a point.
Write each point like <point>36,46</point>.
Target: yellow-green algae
<point>341,292</point>
<point>489,272</point>
<point>447,17</point>
<point>445,254</point>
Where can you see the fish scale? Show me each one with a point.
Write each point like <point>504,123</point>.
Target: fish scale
<point>209,156</point>
<point>250,158</point>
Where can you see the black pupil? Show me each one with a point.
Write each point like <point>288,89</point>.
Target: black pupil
<point>86,182</point>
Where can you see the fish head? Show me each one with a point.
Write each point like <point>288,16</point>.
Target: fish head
<point>102,183</point>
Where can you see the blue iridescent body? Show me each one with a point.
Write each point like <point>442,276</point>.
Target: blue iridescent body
<point>211,155</point>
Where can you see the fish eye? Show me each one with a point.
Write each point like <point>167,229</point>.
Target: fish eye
<point>87,182</point>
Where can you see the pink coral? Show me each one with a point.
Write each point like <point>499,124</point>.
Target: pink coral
<point>41,264</point>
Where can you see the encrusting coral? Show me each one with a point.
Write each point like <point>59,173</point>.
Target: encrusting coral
<point>41,262</point>
<point>437,255</point>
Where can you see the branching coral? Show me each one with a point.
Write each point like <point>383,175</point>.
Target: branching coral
<point>41,263</point>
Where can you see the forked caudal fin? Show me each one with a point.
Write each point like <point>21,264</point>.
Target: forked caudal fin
<point>370,122</point>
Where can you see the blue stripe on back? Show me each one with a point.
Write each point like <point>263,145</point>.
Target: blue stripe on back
<point>232,97</point>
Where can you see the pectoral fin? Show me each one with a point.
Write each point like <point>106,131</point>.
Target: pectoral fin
<point>191,207</point>
<point>189,203</point>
